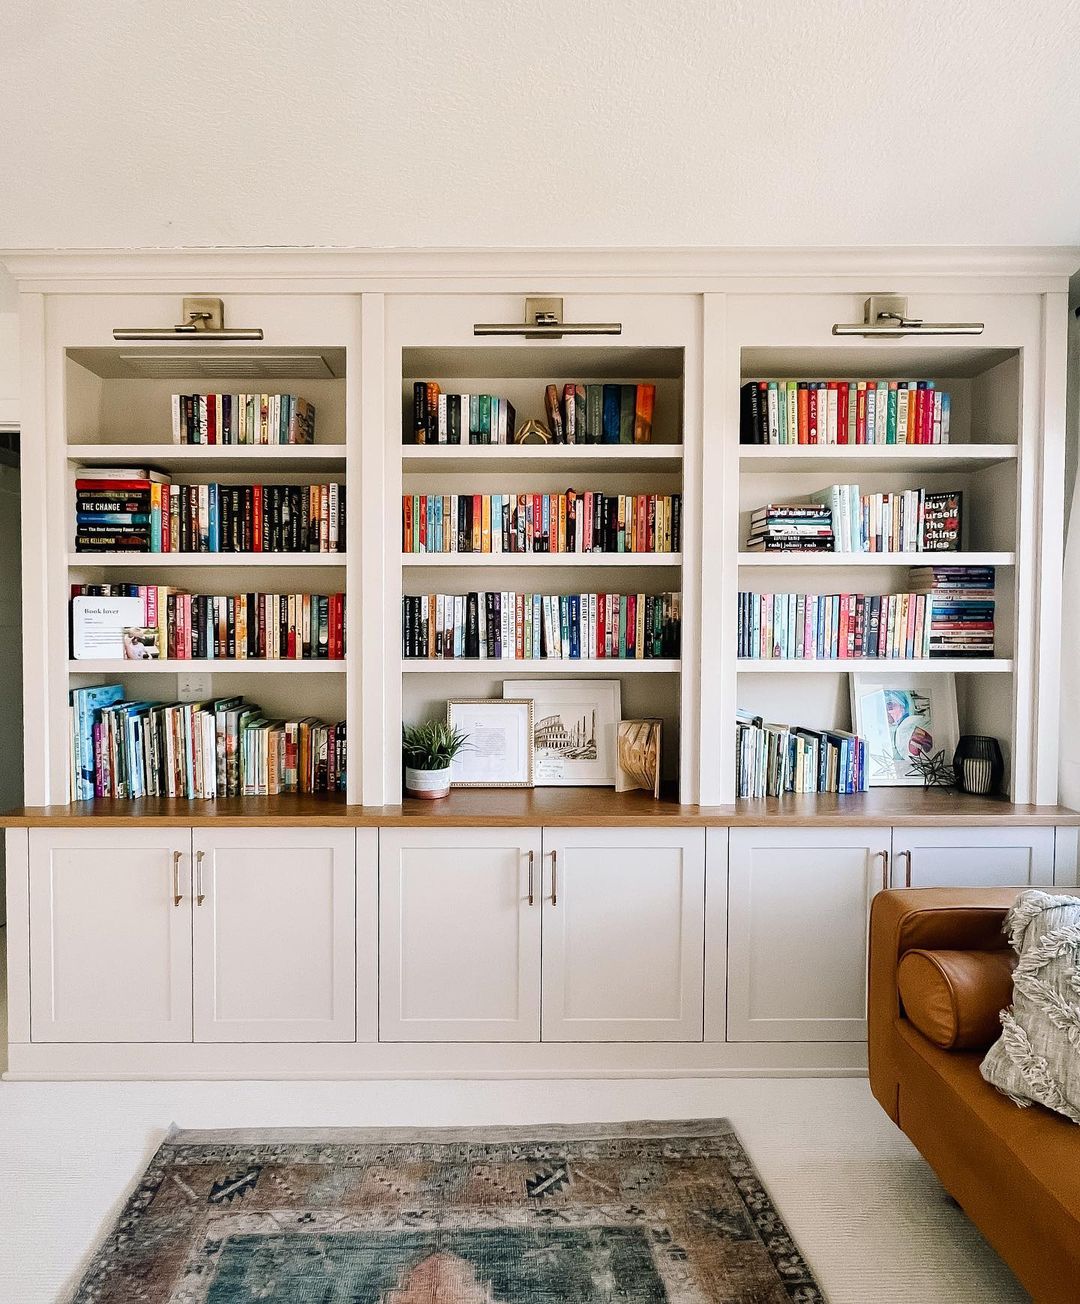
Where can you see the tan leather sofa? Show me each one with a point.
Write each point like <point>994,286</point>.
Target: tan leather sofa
<point>940,970</point>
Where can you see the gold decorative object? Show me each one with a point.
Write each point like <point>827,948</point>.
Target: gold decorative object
<point>533,432</point>
<point>638,756</point>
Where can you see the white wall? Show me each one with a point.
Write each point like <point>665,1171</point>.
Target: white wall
<point>480,122</point>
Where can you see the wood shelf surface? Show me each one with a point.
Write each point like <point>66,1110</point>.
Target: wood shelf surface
<point>209,666</point>
<point>834,559</point>
<point>540,560</point>
<point>867,665</point>
<point>771,458</point>
<point>205,560</point>
<point>208,457</point>
<point>552,666</point>
<point>470,458</point>
<point>555,807</point>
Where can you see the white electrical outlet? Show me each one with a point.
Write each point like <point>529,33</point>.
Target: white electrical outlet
<point>192,686</point>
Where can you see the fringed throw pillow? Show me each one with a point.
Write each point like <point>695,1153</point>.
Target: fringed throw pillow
<point>1037,1057</point>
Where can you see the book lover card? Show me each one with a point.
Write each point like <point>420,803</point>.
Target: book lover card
<point>98,624</point>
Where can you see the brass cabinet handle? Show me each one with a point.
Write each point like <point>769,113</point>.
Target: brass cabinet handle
<point>554,879</point>
<point>176,896</point>
<point>200,894</point>
<point>907,867</point>
<point>884,869</point>
<point>532,857</point>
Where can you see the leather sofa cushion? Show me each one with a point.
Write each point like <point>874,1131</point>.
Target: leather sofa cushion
<point>955,998</point>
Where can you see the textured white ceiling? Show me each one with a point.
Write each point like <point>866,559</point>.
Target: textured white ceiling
<point>614,122</point>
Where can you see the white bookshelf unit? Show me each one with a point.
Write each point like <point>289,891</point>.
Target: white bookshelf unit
<point>383,935</point>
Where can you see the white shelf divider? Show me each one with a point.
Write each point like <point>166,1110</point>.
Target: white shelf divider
<point>183,560</point>
<point>848,458</point>
<point>207,457</point>
<point>866,665</point>
<point>499,666</point>
<point>540,560</point>
<point>471,458</point>
<point>832,559</point>
<point>209,666</point>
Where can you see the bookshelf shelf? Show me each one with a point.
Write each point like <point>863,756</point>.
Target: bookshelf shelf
<point>206,458</point>
<point>768,459</point>
<point>208,560</point>
<point>208,666</point>
<point>540,560</point>
<point>857,665</point>
<point>781,560</point>
<point>611,666</point>
<point>471,459</point>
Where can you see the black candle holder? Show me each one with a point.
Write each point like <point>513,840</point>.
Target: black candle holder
<point>979,765</point>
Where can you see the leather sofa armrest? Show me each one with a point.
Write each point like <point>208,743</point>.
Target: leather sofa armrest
<point>929,918</point>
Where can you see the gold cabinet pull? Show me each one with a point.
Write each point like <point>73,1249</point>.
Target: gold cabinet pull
<point>532,857</point>
<point>176,896</point>
<point>554,879</point>
<point>907,867</point>
<point>200,894</point>
<point>884,869</point>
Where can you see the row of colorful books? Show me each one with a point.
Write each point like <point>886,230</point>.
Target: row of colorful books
<point>773,759</point>
<point>221,748</point>
<point>135,509</point>
<point>512,626</point>
<point>843,412</point>
<point>156,621</point>
<point>840,519</point>
<point>813,626</point>
<point>242,419</point>
<point>568,522</point>
<point>576,413</point>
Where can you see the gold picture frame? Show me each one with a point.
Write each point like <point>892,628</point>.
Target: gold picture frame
<point>506,728</point>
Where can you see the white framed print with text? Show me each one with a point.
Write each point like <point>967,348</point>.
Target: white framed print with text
<point>498,747</point>
<point>575,723</point>
<point>905,718</point>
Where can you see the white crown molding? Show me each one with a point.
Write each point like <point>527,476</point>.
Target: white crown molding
<point>46,269</point>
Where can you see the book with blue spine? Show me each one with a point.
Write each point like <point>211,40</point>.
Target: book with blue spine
<point>88,703</point>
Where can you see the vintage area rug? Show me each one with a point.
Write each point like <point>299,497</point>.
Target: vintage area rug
<point>639,1213</point>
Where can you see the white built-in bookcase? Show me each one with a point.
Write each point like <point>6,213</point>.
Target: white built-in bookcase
<point>353,332</point>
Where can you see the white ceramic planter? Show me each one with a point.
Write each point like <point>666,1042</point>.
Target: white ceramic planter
<point>429,784</point>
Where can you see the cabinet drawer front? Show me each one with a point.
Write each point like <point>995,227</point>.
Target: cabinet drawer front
<point>459,943</point>
<point>275,935</point>
<point>110,948</point>
<point>798,903</point>
<point>973,857</point>
<point>624,934</point>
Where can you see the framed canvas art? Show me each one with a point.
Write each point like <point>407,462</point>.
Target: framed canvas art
<point>574,729</point>
<point>905,718</point>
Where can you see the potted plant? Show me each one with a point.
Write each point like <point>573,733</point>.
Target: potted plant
<point>429,749</point>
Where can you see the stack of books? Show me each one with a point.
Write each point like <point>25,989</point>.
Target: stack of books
<point>833,626</point>
<point>568,522</point>
<point>909,520</point>
<point>115,509</point>
<point>440,418</point>
<point>220,748</point>
<point>163,517</point>
<point>242,419</point>
<point>961,609</point>
<point>843,412</point>
<point>535,626</point>
<point>773,759</point>
<point>226,627</point>
<point>581,413</point>
<point>791,527</point>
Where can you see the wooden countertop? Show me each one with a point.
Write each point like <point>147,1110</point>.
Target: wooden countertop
<point>554,807</point>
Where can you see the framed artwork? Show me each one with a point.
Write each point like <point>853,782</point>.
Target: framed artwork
<point>905,718</point>
<point>499,752</point>
<point>574,729</point>
<point>638,756</point>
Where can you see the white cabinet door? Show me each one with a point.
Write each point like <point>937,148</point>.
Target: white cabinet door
<point>973,857</point>
<point>110,946</point>
<point>624,934</point>
<point>459,939</point>
<point>275,934</point>
<point>798,902</point>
